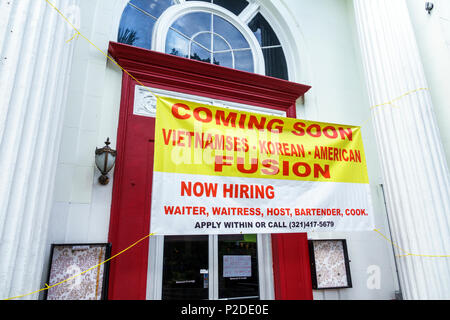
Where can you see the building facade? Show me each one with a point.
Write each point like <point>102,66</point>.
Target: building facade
<point>382,65</point>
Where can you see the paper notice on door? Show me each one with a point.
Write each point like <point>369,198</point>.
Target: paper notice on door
<point>237,266</point>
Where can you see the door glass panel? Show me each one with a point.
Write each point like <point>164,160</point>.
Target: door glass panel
<point>238,266</point>
<point>185,268</point>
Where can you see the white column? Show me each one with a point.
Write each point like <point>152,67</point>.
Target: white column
<point>35,63</point>
<point>415,172</point>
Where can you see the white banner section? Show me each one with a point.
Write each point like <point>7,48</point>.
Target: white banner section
<point>200,204</point>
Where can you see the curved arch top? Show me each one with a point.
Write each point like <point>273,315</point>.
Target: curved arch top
<point>173,13</point>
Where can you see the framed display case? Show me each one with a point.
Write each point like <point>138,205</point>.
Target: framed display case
<point>330,265</point>
<point>69,260</point>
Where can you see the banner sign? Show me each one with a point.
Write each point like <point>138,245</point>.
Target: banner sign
<point>222,171</point>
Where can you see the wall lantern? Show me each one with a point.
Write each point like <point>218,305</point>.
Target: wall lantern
<point>429,6</point>
<point>104,160</point>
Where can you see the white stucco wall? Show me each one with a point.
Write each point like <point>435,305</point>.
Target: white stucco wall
<point>81,208</point>
<point>321,34</point>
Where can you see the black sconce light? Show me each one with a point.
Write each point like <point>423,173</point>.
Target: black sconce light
<point>104,160</point>
<point>429,6</point>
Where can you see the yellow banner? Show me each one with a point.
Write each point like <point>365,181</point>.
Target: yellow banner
<point>194,138</point>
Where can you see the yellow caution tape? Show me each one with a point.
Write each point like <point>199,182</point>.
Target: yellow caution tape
<point>398,98</point>
<point>407,254</point>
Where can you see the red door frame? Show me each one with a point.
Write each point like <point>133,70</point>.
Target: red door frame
<point>131,198</point>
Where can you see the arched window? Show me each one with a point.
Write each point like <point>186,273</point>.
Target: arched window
<point>229,33</point>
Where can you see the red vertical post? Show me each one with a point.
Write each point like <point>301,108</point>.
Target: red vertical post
<point>291,267</point>
<point>131,199</point>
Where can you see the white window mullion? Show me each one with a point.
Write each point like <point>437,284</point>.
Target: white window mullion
<point>212,38</point>
<point>249,12</point>
<point>233,59</point>
<point>271,47</point>
<point>189,50</point>
<point>213,267</point>
<point>143,11</point>
<point>155,268</point>
<point>265,267</point>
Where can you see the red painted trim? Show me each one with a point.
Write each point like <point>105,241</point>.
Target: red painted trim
<point>204,79</point>
<point>130,207</point>
<point>291,267</point>
<point>114,236</point>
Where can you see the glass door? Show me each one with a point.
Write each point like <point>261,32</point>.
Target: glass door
<point>185,268</point>
<point>238,267</point>
<point>189,262</point>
